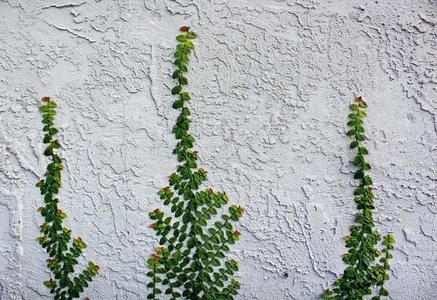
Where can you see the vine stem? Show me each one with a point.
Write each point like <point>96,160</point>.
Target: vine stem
<point>215,254</point>
<point>213,235</point>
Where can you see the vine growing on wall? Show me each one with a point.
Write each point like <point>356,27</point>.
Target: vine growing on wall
<point>364,274</point>
<point>56,238</point>
<point>190,261</point>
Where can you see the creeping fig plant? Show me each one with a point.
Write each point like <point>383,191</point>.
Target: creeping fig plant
<point>364,275</point>
<point>190,261</point>
<point>56,238</point>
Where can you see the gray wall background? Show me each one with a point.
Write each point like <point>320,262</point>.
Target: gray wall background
<point>271,82</point>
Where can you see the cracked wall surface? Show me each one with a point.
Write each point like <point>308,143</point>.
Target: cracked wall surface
<point>271,82</point>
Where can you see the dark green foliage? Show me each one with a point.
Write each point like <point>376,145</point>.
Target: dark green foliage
<point>56,239</point>
<point>364,275</point>
<point>190,261</point>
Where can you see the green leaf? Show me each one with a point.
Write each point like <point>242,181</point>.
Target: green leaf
<point>53,131</point>
<point>191,243</point>
<point>360,137</point>
<point>368,180</point>
<point>47,139</point>
<point>354,144</point>
<point>215,262</point>
<point>177,104</point>
<point>181,38</point>
<point>183,80</point>
<point>189,44</point>
<point>48,120</point>
<point>359,174</point>
<point>359,191</point>
<point>185,96</point>
<point>51,104</point>
<point>354,107</point>
<point>363,150</point>
<point>176,90</point>
<point>176,74</point>
<point>56,144</point>
<point>390,239</point>
<point>63,281</point>
<point>186,218</point>
<point>74,292</point>
<point>351,132</point>
<point>362,114</point>
<point>44,108</point>
<point>48,151</point>
<point>191,35</point>
<point>359,160</point>
<point>360,128</point>
<point>366,167</point>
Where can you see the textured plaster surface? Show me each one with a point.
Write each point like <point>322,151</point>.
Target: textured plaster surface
<point>271,83</point>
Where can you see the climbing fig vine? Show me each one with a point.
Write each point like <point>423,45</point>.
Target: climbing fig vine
<point>190,261</point>
<point>56,239</point>
<point>367,265</point>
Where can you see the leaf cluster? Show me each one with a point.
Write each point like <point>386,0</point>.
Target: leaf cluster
<point>56,239</point>
<point>190,261</point>
<point>367,265</point>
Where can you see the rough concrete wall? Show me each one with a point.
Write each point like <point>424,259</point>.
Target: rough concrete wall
<point>271,83</point>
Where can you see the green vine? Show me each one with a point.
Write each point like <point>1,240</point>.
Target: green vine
<point>363,275</point>
<point>56,238</point>
<point>190,261</point>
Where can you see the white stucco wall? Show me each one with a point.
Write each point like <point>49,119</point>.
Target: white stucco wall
<point>271,84</point>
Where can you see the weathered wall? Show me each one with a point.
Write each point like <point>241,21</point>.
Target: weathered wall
<point>271,83</point>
